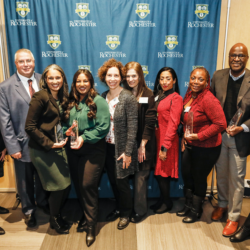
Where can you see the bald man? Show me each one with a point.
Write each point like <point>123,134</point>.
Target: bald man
<point>232,87</point>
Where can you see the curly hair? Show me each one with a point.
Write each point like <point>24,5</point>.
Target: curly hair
<point>137,67</point>
<point>63,92</point>
<point>74,96</point>
<point>102,71</point>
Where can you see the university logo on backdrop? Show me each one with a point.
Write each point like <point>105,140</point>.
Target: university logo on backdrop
<point>84,67</point>
<point>22,8</point>
<point>82,9</point>
<point>54,41</point>
<point>112,41</point>
<point>171,41</point>
<point>201,10</point>
<point>142,10</point>
<point>145,70</point>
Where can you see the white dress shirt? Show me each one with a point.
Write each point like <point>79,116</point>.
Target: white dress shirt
<point>25,83</point>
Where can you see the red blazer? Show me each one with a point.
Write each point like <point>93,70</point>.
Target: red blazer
<point>209,121</point>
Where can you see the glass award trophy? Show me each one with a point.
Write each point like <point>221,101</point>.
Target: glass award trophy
<point>58,133</point>
<point>74,134</point>
<point>189,124</point>
<point>236,118</point>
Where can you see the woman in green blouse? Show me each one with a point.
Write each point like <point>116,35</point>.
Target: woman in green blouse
<point>86,159</point>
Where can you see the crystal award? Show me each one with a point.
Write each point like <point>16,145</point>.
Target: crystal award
<point>58,133</point>
<point>236,118</point>
<point>74,134</point>
<point>189,124</point>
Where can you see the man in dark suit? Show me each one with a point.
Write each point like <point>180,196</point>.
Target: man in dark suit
<point>15,95</point>
<point>232,88</point>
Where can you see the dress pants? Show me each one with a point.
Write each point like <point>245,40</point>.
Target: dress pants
<point>197,163</point>
<point>86,166</point>
<point>140,191</point>
<point>231,171</point>
<point>120,187</point>
<point>27,188</point>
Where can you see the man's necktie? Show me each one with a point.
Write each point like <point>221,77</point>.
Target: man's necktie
<point>31,90</point>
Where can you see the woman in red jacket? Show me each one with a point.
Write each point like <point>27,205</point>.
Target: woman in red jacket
<point>169,106</point>
<point>202,146</point>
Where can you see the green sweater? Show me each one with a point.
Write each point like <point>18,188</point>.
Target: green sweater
<point>90,130</point>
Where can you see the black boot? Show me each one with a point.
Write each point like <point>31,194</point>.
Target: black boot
<point>90,236</point>
<point>196,210</point>
<point>82,225</point>
<point>243,233</point>
<point>57,224</point>
<point>188,203</point>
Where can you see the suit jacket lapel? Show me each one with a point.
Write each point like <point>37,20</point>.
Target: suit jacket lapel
<point>244,86</point>
<point>21,90</point>
<point>223,86</point>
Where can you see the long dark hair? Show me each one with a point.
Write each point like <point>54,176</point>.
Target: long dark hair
<point>158,88</point>
<point>74,96</point>
<point>63,93</point>
<point>137,67</point>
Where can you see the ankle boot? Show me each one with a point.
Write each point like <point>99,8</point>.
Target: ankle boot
<point>57,224</point>
<point>165,207</point>
<point>157,204</point>
<point>188,203</point>
<point>90,236</point>
<point>243,233</point>
<point>196,210</point>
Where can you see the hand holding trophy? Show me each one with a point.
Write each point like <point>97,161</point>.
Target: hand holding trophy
<point>233,128</point>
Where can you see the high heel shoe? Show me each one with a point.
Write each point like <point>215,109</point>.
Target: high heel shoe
<point>66,224</point>
<point>157,204</point>
<point>57,224</point>
<point>90,236</point>
<point>81,225</point>
<point>165,207</point>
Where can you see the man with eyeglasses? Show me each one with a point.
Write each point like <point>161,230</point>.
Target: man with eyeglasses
<point>232,87</point>
<point>15,96</point>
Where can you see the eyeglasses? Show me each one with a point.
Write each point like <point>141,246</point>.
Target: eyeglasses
<point>240,56</point>
<point>22,62</point>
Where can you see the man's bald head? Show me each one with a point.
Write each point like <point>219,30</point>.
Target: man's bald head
<point>238,57</point>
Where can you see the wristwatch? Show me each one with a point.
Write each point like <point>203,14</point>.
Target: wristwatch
<point>163,149</point>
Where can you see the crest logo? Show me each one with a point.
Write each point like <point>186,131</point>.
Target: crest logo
<point>201,10</point>
<point>82,9</point>
<point>197,66</point>
<point>113,41</point>
<point>142,10</point>
<point>145,70</point>
<point>84,67</point>
<point>54,41</point>
<point>171,42</point>
<point>22,8</point>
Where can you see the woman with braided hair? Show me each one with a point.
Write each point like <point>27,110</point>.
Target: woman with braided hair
<point>86,159</point>
<point>201,148</point>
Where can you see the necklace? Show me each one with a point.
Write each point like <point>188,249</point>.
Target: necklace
<point>194,97</point>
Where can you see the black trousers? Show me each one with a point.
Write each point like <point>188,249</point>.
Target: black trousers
<point>26,177</point>
<point>141,191</point>
<point>86,166</point>
<point>120,187</point>
<point>197,163</point>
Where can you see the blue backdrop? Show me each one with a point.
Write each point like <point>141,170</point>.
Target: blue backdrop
<point>76,34</point>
